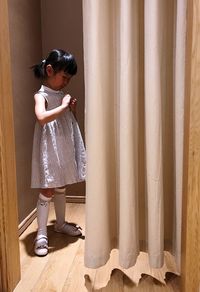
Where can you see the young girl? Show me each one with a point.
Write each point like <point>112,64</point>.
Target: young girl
<point>58,150</point>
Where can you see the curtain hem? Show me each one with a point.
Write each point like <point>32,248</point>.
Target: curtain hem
<point>100,277</point>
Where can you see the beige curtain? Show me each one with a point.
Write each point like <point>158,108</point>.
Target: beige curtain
<point>134,54</point>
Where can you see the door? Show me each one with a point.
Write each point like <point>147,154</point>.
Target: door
<point>9,242</point>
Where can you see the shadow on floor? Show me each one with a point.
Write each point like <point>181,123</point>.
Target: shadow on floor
<point>57,240</point>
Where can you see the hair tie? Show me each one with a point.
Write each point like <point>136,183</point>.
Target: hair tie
<point>43,62</point>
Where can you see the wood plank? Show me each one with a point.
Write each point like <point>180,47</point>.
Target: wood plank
<point>115,284</point>
<point>191,187</point>
<point>32,274</point>
<point>9,244</point>
<point>74,283</point>
<point>49,273</point>
<point>63,269</point>
<point>59,264</point>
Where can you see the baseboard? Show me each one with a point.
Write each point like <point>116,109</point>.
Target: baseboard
<point>75,199</point>
<point>26,222</point>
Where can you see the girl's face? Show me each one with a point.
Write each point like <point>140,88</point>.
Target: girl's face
<point>57,81</point>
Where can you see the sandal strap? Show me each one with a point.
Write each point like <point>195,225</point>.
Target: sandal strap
<point>43,244</point>
<point>72,224</point>
<point>78,227</point>
<point>71,229</point>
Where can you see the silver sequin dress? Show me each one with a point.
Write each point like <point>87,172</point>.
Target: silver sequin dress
<point>58,157</point>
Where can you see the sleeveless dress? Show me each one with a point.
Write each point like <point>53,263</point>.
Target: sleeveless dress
<point>58,156</point>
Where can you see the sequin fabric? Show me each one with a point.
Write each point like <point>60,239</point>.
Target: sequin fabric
<point>58,156</point>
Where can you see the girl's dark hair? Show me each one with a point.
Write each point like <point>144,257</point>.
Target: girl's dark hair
<point>59,60</point>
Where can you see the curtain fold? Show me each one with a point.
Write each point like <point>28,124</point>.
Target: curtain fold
<point>127,132</point>
<point>134,54</point>
<point>153,130</point>
<point>180,39</point>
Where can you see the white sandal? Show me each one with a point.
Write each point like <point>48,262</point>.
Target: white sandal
<point>69,229</point>
<point>41,245</point>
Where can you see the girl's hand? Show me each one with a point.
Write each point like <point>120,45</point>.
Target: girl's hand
<point>73,104</point>
<point>66,100</point>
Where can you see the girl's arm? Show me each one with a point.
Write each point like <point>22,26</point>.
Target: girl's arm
<point>45,116</point>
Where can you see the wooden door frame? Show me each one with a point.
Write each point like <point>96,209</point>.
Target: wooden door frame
<point>190,269</point>
<point>9,240</point>
<point>9,243</point>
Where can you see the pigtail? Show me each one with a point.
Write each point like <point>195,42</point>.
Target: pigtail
<point>59,60</point>
<point>39,70</point>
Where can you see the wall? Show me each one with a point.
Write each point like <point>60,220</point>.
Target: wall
<point>26,50</point>
<point>62,27</point>
<point>30,38</point>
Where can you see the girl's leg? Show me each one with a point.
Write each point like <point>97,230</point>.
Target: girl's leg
<point>60,206</point>
<point>41,241</point>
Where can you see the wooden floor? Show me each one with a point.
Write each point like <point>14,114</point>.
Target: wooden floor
<point>63,269</point>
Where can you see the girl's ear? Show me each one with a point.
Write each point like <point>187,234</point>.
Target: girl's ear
<point>49,70</point>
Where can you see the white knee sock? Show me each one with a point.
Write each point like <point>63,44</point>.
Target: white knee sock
<point>42,214</point>
<point>60,205</point>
